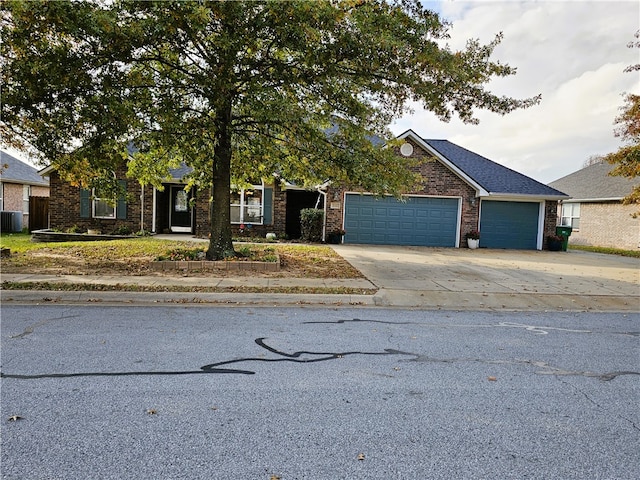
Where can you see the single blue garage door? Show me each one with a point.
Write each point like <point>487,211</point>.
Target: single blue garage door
<point>430,222</point>
<point>509,225</point>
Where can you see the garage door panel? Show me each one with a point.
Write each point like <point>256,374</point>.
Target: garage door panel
<point>417,221</point>
<point>512,225</point>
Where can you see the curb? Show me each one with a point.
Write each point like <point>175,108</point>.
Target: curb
<point>44,297</point>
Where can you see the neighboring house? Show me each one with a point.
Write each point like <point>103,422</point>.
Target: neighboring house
<point>595,210</point>
<point>462,191</point>
<point>19,184</point>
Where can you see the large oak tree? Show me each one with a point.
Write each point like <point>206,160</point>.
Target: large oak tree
<point>238,90</point>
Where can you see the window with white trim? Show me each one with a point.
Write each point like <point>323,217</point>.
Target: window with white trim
<point>570,215</point>
<point>26,192</point>
<point>103,208</point>
<point>247,205</point>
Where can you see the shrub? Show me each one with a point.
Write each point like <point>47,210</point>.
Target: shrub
<point>244,251</point>
<point>311,224</point>
<point>122,230</point>
<point>183,254</point>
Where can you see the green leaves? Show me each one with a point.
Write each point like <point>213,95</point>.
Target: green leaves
<point>299,88</point>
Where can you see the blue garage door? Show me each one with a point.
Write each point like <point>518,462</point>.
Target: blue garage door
<point>509,225</point>
<point>430,222</point>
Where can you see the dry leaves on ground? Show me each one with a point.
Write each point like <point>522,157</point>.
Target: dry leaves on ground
<point>133,257</point>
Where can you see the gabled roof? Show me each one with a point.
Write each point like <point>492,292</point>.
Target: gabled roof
<point>175,174</point>
<point>179,173</point>
<point>593,182</point>
<point>486,176</point>
<point>16,171</point>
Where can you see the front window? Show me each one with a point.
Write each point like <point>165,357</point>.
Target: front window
<point>103,208</point>
<point>247,205</point>
<point>570,215</point>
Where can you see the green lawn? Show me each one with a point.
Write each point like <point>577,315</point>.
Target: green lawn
<point>607,250</point>
<point>141,246</point>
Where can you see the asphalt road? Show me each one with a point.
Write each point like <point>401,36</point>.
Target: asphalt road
<point>95,392</point>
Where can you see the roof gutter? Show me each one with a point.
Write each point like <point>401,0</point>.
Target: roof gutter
<point>511,196</point>
<point>46,171</point>
<point>591,200</point>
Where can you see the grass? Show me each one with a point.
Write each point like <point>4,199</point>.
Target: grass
<point>132,256</point>
<point>17,242</point>
<point>606,250</point>
<point>92,287</point>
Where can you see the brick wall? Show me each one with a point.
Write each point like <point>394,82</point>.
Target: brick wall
<point>550,221</point>
<point>438,180</point>
<point>37,191</point>
<point>12,197</point>
<point>64,207</point>
<point>607,225</point>
<point>276,224</point>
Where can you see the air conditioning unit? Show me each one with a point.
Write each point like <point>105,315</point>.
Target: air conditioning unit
<point>10,222</point>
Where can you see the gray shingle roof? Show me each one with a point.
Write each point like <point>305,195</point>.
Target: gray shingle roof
<point>594,182</point>
<point>177,174</point>
<point>16,171</point>
<point>180,172</point>
<point>491,176</point>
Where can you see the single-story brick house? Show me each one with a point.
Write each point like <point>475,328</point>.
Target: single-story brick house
<point>271,206</point>
<point>19,184</point>
<point>462,191</point>
<point>595,210</point>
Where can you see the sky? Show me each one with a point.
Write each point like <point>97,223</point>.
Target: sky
<point>571,52</point>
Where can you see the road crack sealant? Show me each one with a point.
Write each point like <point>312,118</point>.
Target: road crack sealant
<point>306,357</point>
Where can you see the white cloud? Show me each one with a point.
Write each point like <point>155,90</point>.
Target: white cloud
<point>573,53</point>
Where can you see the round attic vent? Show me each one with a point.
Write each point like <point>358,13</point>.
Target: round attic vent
<point>406,149</point>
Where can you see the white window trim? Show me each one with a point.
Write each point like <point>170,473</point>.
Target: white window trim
<point>571,217</point>
<point>94,200</point>
<point>243,204</point>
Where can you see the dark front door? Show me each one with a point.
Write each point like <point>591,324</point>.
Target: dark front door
<point>296,201</point>
<point>180,215</point>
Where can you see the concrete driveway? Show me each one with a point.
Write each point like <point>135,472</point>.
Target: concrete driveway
<point>450,278</point>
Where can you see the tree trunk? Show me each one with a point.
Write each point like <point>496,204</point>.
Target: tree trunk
<point>220,242</point>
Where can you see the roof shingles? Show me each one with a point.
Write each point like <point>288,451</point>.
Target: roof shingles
<point>16,171</point>
<point>594,182</point>
<point>493,177</point>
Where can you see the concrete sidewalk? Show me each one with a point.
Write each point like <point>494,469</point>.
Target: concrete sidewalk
<point>412,277</point>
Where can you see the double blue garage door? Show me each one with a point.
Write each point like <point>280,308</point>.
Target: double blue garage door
<point>433,222</point>
<point>423,221</point>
